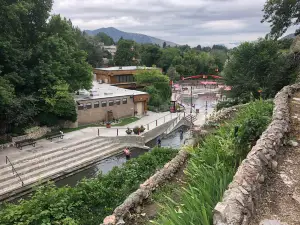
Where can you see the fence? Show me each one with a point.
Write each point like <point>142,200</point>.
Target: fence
<point>14,170</point>
<point>149,126</point>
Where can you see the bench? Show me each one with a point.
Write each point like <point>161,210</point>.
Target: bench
<point>54,135</point>
<point>20,144</point>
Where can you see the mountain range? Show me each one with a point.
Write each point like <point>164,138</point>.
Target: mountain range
<point>116,34</point>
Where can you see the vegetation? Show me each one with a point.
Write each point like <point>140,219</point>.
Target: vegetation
<point>212,166</point>
<point>259,66</point>
<point>91,200</point>
<point>127,53</point>
<point>281,14</point>
<point>158,87</point>
<point>105,39</point>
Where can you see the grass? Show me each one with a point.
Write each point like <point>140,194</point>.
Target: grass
<point>126,121</point>
<point>212,166</point>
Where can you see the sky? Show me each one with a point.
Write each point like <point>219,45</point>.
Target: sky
<point>192,22</point>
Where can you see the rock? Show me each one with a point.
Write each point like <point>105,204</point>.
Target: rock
<point>296,195</point>
<point>138,209</point>
<point>121,221</point>
<point>292,143</point>
<point>271,222</point>
<point>274,165</point>
<point>143,214</point>
<point>109,220</point>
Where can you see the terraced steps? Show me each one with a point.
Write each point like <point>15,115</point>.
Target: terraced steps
<point>55,162</point>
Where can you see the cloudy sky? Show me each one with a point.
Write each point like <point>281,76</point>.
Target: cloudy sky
<point>192,22</point>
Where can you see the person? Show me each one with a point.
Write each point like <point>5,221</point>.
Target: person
<point>159,142</point>
<point>181,133</point>
<point>127,153</point>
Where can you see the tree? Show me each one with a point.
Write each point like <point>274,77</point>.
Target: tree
<point>157,85</point>
<point>103,37</point>
<point>258,65</point>
<point>172,74</point>
<point>281,14</point>
<point>198,48</point>
<point>126,52</point>
<point>150,54</point>
<point>168,54</point>
<point>164,44</point>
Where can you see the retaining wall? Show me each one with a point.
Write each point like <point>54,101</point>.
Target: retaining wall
<point>238,204</point>
<point>145,190</point>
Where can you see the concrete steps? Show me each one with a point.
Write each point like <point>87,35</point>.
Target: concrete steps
<point>48,164</point>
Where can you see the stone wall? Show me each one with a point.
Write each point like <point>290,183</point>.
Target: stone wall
<point>238,204</point>
<point>145,190</point>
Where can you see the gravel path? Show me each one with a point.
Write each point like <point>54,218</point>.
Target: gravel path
<point>279,202</point>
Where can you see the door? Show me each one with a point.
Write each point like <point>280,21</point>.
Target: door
<point>140,108</point>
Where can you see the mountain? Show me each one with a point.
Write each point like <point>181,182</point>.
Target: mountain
<point>289,36</point>
<point>139,38</point>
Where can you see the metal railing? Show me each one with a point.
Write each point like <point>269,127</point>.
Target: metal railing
<point>154,123</point>
<point>14,170</point>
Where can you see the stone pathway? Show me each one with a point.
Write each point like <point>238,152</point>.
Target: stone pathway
<point>279,202</point>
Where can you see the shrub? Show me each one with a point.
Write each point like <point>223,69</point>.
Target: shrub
<point>213,164</point>
<point>91,200</point>
<point>136,130</point>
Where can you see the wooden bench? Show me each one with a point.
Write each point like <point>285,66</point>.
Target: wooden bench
<point>26,142</point>
<point>54,135</point>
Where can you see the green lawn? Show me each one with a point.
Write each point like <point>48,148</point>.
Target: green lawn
<point>126,121</point>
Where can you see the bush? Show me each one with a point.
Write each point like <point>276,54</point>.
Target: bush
<point>136,130</point>
<point>91,200</point>
<point>213,165</point>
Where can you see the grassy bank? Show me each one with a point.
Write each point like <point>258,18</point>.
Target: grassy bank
<point>212,166</point>
<point>91,200</point>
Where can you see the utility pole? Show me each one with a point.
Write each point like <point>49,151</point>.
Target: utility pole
<point>191,99</point>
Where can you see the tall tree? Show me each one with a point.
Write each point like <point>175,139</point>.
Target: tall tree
<point>150,54</point>
<point>127,52</point>
<point>258,65</point>
<point>281,14</point>
<point>103,37</point>
<point>164,44</point>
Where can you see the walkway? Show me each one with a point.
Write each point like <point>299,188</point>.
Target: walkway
<point>280,199</point>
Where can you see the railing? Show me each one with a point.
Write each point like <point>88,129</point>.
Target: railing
<point>154,123</point>
<point>14,170</point>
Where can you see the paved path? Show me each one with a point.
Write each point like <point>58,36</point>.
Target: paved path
<point>84,134</point>
<point>280,199</point>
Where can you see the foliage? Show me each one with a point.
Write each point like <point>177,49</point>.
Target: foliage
<point>91,200</point>
<point>37,53</point>
<point>281,14</point>
<point>172,74</point>
<point>212,166</point>
<point>150,54</point>
<point>167,56</point>
<point>127,52</point>
<point>104,38</point>
<point>258,66</point>
<point>156,84</point>
<point>136,130</point>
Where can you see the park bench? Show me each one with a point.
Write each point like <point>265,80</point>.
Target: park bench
<point>20,144</point>
<point>54,135</point>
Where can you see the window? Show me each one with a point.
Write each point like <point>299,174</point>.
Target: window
<point>96,104</point>
<point>88,105</point>
<point>110,103</point>
<point>80,107</point>
<point>124,100</point>
<point>104,104</point>
<point>118,102</point>
<point>124,78</point>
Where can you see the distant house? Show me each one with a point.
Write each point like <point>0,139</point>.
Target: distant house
<point>119,76</point>
<point>112,49</point>
<point>105,102</point>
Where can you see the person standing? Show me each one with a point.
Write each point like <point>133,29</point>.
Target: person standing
<point>181,133</point>
<point>127,153</point>
<point>159,142</point>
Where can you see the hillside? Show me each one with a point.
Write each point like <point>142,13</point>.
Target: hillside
<point>139,38</point>
<point>289,36</point>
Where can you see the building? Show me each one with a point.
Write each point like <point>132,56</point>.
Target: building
<point>119,76</point>
<point>112,49</point>
<point>105,102</point>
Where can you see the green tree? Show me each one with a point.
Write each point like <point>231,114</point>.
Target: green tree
<point>168,54</point>
<point>172,73</point>
<point>258,65</point>
<point>150,54</point>
<point>164,44</point>
<point>103,37</point>
<point>127,51</point>
<point>281,14</point>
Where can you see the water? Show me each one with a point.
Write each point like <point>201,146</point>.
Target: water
<point>173,140</point>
